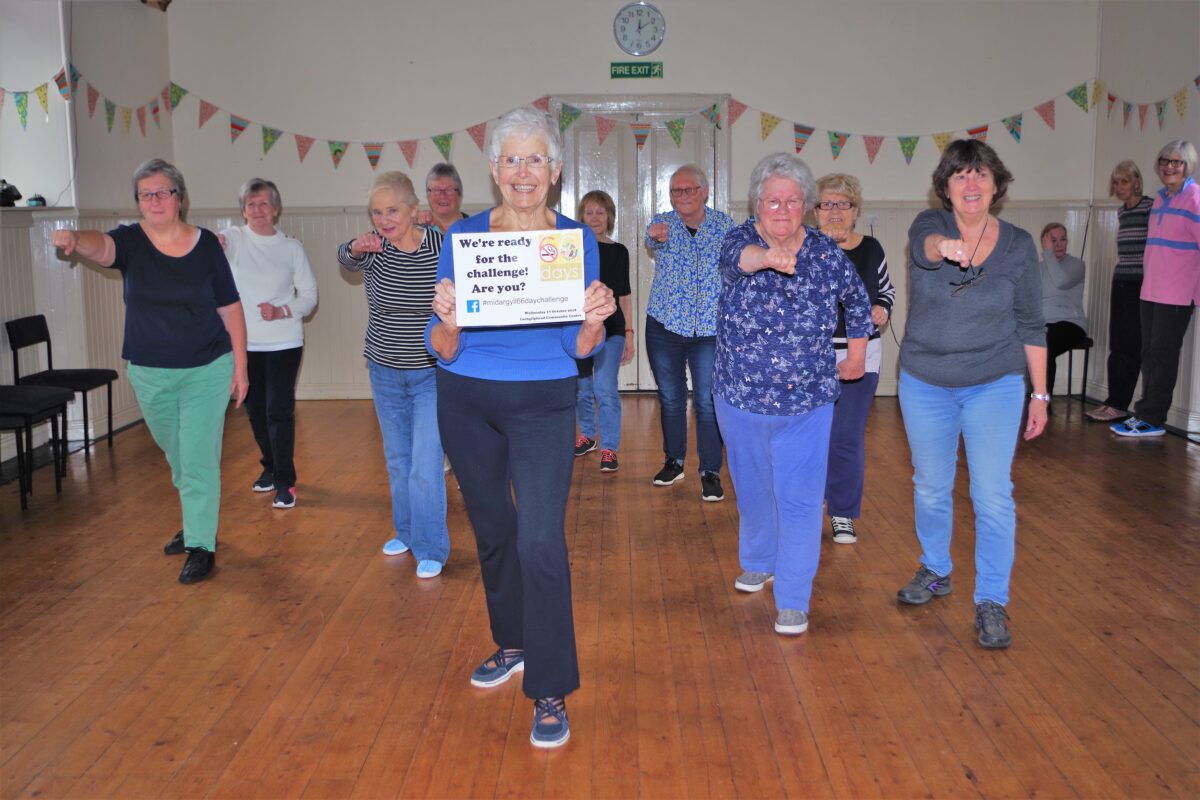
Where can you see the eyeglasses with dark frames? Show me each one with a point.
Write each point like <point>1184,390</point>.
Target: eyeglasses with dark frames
<point>680,191</point>
<point>830,205</point>
<point>161,194</point>
<point>969,280</point>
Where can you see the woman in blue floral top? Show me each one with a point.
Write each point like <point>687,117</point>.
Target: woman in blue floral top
<point>776,378</point>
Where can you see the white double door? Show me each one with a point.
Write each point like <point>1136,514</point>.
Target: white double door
<point>639,180</point>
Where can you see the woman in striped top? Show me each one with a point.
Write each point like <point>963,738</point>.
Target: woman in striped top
<point>1124,315</point>
<point>398,261</point>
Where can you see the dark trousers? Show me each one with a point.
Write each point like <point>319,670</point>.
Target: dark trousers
<point>848,447</point>
<point>511,446</point>
<point>1124,342</point>
<point>671,357</point>
<point>1060,337</point>
<point>271,407</point>
<point>1163,327</point>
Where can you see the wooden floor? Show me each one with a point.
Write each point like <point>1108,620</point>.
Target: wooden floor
<point>313,666</point>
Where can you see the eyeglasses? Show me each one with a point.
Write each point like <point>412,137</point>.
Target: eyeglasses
<point>446,192</point>
<point>830,205</point>
<point>1173,163</point>
<point>535,161</point>
<point>792,205</point>
<point>680,191</point>
<point>968,281</point>
<point>161,194</point>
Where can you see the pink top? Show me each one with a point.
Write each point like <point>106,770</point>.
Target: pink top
<point>1172,261</point>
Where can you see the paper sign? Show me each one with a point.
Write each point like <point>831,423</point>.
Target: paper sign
<point>518,278</point>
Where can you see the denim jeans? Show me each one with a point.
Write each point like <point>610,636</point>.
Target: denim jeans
<point>669,353</point>
<point>598,391</point>
<point>847,447</point>
<point>777,464</point>
<point>271,407</point>
<point>406,404</point>
<point>988,417</point>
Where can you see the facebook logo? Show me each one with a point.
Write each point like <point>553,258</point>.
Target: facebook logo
<point>472,306</point>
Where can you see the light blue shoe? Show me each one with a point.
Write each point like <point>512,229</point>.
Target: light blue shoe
<point>1136,427</point>
<point>395,547</point>
<point>429,569</point>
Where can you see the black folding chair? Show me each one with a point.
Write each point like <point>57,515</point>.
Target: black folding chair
<point>22,407</point>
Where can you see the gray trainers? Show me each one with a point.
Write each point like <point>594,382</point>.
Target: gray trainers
<point>924,586</point>
<point>753,581</point>
<point>991,620</point>
<point>791,622</point>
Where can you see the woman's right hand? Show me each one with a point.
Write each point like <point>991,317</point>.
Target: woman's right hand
<point>659,232</point>
<point>444,300</point>
<point>953,250</point>
<point>366,243</point>
<point>65,240</point>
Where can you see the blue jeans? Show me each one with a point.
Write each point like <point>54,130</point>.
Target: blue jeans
<point>599,391</point>
<point>778,469</point>
<point>847,447</point>
<point>988,417</point>
<point>406,404</point>
<point>669,353</point>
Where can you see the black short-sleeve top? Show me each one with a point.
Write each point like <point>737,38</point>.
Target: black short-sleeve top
<point>171,302</point>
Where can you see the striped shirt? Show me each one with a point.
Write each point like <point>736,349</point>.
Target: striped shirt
<point>1131,239</point>
<point>399,300</point>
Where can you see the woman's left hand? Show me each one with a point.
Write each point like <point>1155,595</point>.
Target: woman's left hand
<point>879,316</point>
<point>1035,422</point>
<point>598,303</point>
<point>851,369</point>
<point>239,386</point>
<point>270,312</point>
<point>630,347</point>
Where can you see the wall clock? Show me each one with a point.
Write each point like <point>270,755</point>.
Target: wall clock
<point>639,28</point>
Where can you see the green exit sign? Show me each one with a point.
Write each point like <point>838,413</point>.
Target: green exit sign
<point>635,69</point>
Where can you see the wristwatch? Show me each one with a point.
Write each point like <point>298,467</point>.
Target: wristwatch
<point>1045,398</point>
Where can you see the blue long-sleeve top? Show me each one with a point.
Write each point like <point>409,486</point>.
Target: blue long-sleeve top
<point>517,353</point>
<point>775,332</point>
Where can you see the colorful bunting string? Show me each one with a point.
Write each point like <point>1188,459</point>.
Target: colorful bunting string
<point>1046,112</point>
<point>1181,103</point>
<point>641,130</point>
<point>126,118</point>
<point>177,93</point>
<point>1097,93</point>
<point>373,151</point>
<point>21,100</point>
<point>908,146</point>
<point>872,143</point>
<point>566,115</point>
<point>303,143</point>
<point>1112,99</point>
<point>1143,108</point>
<point>713,113</point>
<point>736,110</point>
<point>74,78</point>
<point>543,103</point>
<point>979,132</point>
<point>443,141</point>
<point>943,139</point>
<point>604,126</point>
<point>60,79</point>
<point>207,110</point>
<point>269,137</point>
<point>675,128</point>
<point>1013,125</point>
<point>477,133</point>
<point>237,126</point>
<point>93,95</point>
<point>43,96</point>
<point>837,141</point>
<point>110,113</point>
<point>1079,95</point>
<point>767,123</point>
<point>141,118</point>
<point>801,134</point>
<point>409,148</point>
<point>1128,113</point>
<point>336,151</point>
<point>154,112</point>
<point>1160,110</point>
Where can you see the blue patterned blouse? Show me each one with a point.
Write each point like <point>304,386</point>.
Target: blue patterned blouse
<point>687,279</point>
<point>775,332</point>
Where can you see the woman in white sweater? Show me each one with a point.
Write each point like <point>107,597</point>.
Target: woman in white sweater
<point>1062,298</point>
<point>278,290</point>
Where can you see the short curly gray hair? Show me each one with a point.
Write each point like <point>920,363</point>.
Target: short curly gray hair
<point>156,166</point>
<point>783,165</point>
<point>525,123</point>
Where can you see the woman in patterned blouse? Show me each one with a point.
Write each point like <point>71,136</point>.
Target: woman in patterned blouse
<point>776,378</point>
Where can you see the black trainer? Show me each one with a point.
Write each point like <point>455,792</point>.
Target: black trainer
<point>199,565</point>
<point>924,586</point>
<point>584,445</point>
<point>175,547</point>
<point>710,487</point>
<point>672,471</point>
<point>991,620</point>
<point>265,482</point>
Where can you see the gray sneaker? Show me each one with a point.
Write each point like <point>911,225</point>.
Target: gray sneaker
<point>791,622</point>
<point>753,581</point>
<point>924,586</point>
<point>991,620</point>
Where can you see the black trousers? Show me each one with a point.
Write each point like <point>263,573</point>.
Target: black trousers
<point>271,407</point>
<point>1060,337</point>
<point>1124,342</point>
<point>511,444</point>
<point>1163,327</point>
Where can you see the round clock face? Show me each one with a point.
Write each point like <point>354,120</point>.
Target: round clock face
<point>639,28</point>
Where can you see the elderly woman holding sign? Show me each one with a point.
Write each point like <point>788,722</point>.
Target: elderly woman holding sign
<point>506,409</point>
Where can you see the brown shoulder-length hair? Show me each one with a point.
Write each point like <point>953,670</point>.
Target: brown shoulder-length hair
<point>601,198</point>
<point>965,155</point>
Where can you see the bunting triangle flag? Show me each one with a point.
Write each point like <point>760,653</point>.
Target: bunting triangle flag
<point>943,139</point>
<point>126,118</point>
<point>60,80</point>
<point>141,116</point>
<point>713,113</point>
<point>1046,111</point>
<point>873,143</point>
<point>443,141</point>
<point>207,110</point>
<point>908,146</point>
<point>93,95</point>
<point>641,130</point>
<point>604,126</point>
<point>3,93</point>
<point>1079,95</point>
<point>43,96</point>
<point>767,123</point>
<point>837,141</point>
<point>74,78</point>
<point>543,103</point>
<point>1143,108</point>
<point>1160,110</point>
<point>409,148</point>
<point>166,98</point>
<point>1128,112</point>
<point>736,109</point>
<point>237,125</point>
<point>154,112</point>
<point>373,151</point>
<point>270,136</point>
<point>177,93</point>
<point>675,128</point>
<point>21,101</point>
<point>566,115</point>
<point>336,151</point>
<point>477,133</point>
<point>979,132</point>
<point>1013,125</point>
<point>1097,93</point>
<point>303,143</point>
<point>1112,99</point>
<point>1181,103</point>
<point>801,134</point>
